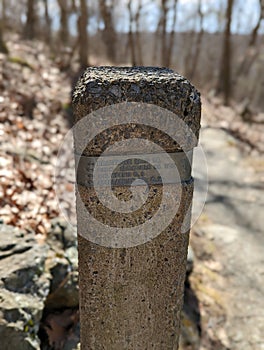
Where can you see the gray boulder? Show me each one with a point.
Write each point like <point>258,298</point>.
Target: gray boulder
<point>24,286</point>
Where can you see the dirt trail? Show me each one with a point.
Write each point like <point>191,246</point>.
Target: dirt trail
<point>228,241</point>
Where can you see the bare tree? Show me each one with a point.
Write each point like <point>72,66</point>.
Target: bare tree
<point>30,26</point>
<point>73,6</point>
<point>252,51</point>
<point>11,14</point>
<point>134,38</point>
<point>198,44</point>
<point>255,30</point>
<point>47,21</point>
<point>3,48</point>
<point>164,49</point>
<point>156,43</point>
<point>109,33</point>
<point>166,39</point>
<point>64,28</point>
<point>224,78</point>
<point>83,37</point>
<point>3,18</point>
<point>137,33</point>
<point>189,43</point>
<point>172,34</point>
<point>131,39</point>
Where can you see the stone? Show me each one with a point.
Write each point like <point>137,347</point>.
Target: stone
<point>23,288</point>
<point>62,234</point>
<point>131,297</point>
<point>35,280</point>
<point>66,295</point>
<point>62,263</point>
<point>190,260</point>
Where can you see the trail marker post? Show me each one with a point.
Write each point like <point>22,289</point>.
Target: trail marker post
<point>134,132</point>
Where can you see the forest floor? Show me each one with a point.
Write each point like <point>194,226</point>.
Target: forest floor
<point>227,240</point>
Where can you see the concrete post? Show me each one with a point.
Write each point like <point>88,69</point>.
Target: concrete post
<point>132,267</point>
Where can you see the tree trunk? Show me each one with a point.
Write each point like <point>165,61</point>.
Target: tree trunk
<point>134,35</point>
<point>172,35</point>
<point>251,52</point>
<point>224,79</point>
<point>73,6</point>
<point>47,28</point>
<point>156,44</point>
<point>3,48</point>
<point>198,42</point>
<point>167,39</point>
<point>255,30</point>
<point>83,37</point>
<point>131,38</point>
<point>188,54</point>
<point>29,30</point>
<point>64,29</point>
<point>3,18</point>
<point>109,34</point>
<point>137,34</point>
<point>164,52</point>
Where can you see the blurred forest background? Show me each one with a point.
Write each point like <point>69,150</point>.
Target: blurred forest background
<point>216,44</point>
<point>44,47</point>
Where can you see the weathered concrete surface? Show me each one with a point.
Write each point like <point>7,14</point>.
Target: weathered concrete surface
<point>131,298</point>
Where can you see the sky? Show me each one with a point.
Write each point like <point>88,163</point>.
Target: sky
<point>245,16</point>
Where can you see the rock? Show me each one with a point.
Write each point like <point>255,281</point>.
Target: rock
<point>36,279</point>
<point>62,234</point>
<point>72,255</point>
<point>190,336</point>
<point>191,318</point>
<point>62,264</point>
<point>74,342</point>
<point>190,260</point>
<point>39,280</point>
<point>43,279</point>
<point>60,323</point>
<point>24,287</point>
<point>66,295</point>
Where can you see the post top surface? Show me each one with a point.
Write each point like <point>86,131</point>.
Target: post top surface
<point>105,86</point>
<point>95,78</point>
<point>129,73</point>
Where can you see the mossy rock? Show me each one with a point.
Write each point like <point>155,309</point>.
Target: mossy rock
<point>21,62</point>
